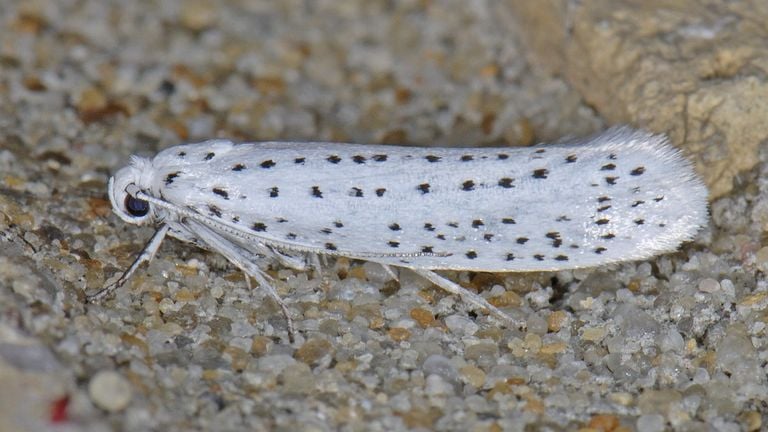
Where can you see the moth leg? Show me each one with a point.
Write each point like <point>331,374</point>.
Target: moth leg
<point>295,263</point>
<point>265,285</point>
<point>233,253</point>
<point>467,296</point>
<point>390,271</point>
<point>146,255</point>
<point>315,260</point>
<point>316,265</point>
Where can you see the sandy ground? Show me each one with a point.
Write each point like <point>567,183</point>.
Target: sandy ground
<point>676,342</point>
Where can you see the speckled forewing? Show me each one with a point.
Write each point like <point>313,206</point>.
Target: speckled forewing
<point>619,196</point>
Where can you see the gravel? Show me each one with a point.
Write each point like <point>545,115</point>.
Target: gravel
<point>677,342</point>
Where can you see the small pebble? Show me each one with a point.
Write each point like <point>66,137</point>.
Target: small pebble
<point>399,334</point>
<point>709,285</point>
<point>473,375</point>
<point>423,317</point>
<point>650,423</point>
<point>110,391</point>
<point>604,422</point>
<point>593,334</point>
<point>555,320</point>
<point>761,259</point>
<point>509,299</point>
<point>460,324</point>
<point>313,351</point>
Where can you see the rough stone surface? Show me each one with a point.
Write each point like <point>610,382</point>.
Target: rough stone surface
<point>695,70</point>
<point>676,342</point>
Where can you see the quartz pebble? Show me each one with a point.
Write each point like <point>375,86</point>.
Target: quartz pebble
<point>110,391</point>
<point>651,423</point>
<point>709,285</point>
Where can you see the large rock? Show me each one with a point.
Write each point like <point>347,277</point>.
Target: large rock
<point>696,72</point>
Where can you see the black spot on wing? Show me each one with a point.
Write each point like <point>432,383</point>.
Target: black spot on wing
<point>506,182</point>
<point>214,211</point>
<point>171,177</point>
<point>555,237</point>
<point>221,192</point>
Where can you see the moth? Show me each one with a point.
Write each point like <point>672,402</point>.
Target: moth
<point>620,195</point>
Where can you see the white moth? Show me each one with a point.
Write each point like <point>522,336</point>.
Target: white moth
<point>618,196</point>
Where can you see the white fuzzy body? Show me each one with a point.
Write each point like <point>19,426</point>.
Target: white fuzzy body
<point>622,195</point>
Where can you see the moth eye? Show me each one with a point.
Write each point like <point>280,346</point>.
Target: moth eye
<point>136,207</point>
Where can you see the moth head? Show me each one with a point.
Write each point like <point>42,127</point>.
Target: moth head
<point>123,188</point>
